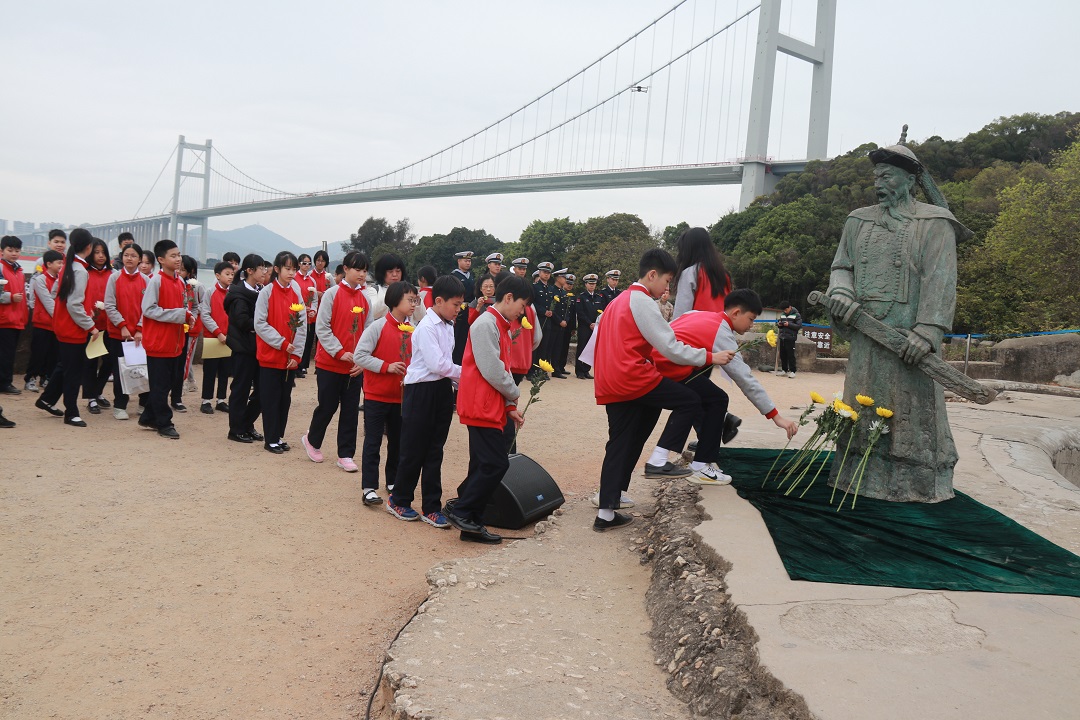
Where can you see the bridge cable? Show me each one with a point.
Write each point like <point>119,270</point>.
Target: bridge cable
<point>156,180</point>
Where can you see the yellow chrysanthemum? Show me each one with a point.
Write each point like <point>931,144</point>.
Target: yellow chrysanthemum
<point>814,397</point>
<point>770,337</point>
<point>297,307</point>
<point>865,400</point>
<point>546,366</point>
<point>186,327</point>
<point>884,412</point>
<point>525,323</point>
<point>356,309</point>
<point>38,268</point>
<point>405,327</point>
<point>599,313</point>
<point>854,416</point>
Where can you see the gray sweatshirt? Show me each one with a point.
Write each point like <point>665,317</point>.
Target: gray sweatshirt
<point>111,310</point>
<point>77,297</point>
<point>658,332</point>
<point>40,292</point>
<point>151,309</point>
<point>267,332</point>
<point>685,288</point>
<point>484,335</point>
<point>323,332</point>
<point>740,372</point>
<point>366,346</point>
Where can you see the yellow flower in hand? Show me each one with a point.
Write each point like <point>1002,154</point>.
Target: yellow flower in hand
<point>297,307</point>
<point>884,412</point>
<point>405,328</point>
<point>546,366</point>
<point>865,400</point>
<point>356,309</point>
<point>770,337</point>
<point>38,268</point>
<point>525,323</point>
<point>186,327</point>
<point>814,397</point>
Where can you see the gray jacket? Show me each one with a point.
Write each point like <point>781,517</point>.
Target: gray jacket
<point>323,332</point>
<point>151,309</point>
<point>40,293</point>
<point>77,297</point>
<point>740,372</point>
<point>654,328</point>
<point>484,336</point>
<point>267,332</point>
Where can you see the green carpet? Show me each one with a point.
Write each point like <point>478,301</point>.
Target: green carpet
<point>959,544</point>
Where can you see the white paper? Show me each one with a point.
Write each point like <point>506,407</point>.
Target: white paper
<point>134,354</point>
<point>586,355</point>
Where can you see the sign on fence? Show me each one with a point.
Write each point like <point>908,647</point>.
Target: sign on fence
<point>822,337</point>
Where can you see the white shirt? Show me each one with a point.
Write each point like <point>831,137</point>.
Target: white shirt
<point>432,351</point>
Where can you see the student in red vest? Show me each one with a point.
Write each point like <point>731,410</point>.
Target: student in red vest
<point>525,338</point>
<point>280,333</point>
<point>716,331</point>
<point>343,315</point>
<point>72,323</point>
<point>123,310</point>
<point>98,270</point>
<point>13,310</point>
<point>324,280</point>
<point>425,278</point>
<point>43,347</point>
<point>384,352</point>
<point>165,313</point>
<point>487,398</point>
<point>632,389</point>
<point>215,322</point>
<point>703,281</point>
<point>305,278</point>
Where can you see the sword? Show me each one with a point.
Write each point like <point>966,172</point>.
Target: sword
<point>932,365</point>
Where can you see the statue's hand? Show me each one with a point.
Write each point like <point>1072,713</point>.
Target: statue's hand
<point>840,306</point>
<point>915,349</point>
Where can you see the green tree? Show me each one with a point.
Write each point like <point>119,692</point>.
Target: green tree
<point>377,236</point>
<point>438,250</point>
<point>730,229</point>
<point>610,242</point>
<point>670,236</point>
<point>547,241</point>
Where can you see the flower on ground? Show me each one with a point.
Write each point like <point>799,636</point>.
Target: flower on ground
<point>884,412</point>
<point>814,397</point>
<point>546,366</point>
<point>854,416</point>
<point>770,337</point>
<point>525,323</point>
<point>864,400</point>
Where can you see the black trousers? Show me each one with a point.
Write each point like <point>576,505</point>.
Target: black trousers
<point>426,413</point>
<point>158,412</point>
<point>549,344</point>
<point>510,430</point>
<point>96,373</point>
<point>563,353</point>
<point>583,334</point>
<point>116,351</point>
<point>215,370</point>
<point>9,338</point>
<point>380,418</point>
<point>176,390</point>
<point>629,425</point>
<point>714,406</point>
<point>338,393</point>
<point>309,349</point>
<point>43,354</point>
<point>244,404</point>
<point>787,354</point>
<point>461,334</point>
<point>275,396</point>
<point>488,464</point>
<point>66,378</point>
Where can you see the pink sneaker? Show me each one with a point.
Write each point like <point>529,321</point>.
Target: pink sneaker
<point>314,453</point>
<point>347,464</point>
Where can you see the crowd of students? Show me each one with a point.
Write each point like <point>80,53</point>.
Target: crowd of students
<point>417,353</point>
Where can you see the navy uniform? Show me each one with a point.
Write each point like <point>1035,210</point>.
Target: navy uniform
<point>609,293</point>
<point>571,322</point>
<point>559,312</point>
<point>494,263</point>
<point>520,266</point>
<point>587,307</point>
<point>543,293</point>
<point>463,272</point>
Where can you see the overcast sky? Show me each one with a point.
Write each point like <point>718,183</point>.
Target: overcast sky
<point>323,93</point>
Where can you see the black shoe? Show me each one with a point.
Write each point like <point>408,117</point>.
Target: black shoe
<point>179,407</point>
<point>42,405</point>
<point>449,506</point>
<point>169,432</point>
<point>237,437</point>
<point>10,390</point>
<point>284,446</point>
<point>93,408</point>
<point>484,536</point>
<point>301,373</point>
<point>731,428</point>
<point>102,402</point>
<point>667,470</point>
<point>587,376</point>
<point>75,421</point>
<point>146,423</point>
<point>256,435</point>
<point>618,521</point>
<point>207,409</point>
<point>5,423</point>
<point>222,406</point>
<point>276,449</point>
<point>465,526</point>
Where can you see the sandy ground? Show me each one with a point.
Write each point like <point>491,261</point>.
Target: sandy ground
<point>200,578</point>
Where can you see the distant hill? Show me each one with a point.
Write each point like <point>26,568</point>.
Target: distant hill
<point>257,239</point>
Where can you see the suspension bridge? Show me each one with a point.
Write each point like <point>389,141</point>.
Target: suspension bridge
<point>687,100</point>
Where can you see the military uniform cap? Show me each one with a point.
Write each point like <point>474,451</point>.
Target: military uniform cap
<point>520,262</point>
<point>898,156</point>
<point>561,271</point>
<point>494,257</point>
<point>570,277</point>
<point>464,255</point>
<point>536,273</point>
<point>613,274</point>
<point>546,266</point>
<point>591,277</point>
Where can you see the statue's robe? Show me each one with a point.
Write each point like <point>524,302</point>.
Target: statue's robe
<point>902,272</point>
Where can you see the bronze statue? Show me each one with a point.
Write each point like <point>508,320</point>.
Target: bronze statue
<point>896,263</point>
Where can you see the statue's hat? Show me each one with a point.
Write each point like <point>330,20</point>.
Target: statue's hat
<point>899,156</point>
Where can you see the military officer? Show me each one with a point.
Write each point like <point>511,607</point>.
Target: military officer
<point>612,290</point>
<point>587,306</point>
<point>520,266</point>
<point>494,265</point>
<point>571,322</point>
<point>463,272</point>
<point>543,293</point>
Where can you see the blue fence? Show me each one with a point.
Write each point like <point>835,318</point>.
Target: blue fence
<point>974,336</point>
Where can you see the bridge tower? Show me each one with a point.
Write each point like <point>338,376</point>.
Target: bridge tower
<point>757,179</point>
<point>176,218</point>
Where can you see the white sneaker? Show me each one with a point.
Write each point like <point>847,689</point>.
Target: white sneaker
<point>625,501</point>
<point>32,385</point>
<point>120,413</point>
<point>779,372</point>
<point>791,374</point>
<point>709,475</point>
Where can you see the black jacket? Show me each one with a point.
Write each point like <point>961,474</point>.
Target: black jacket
<point>788,324</point>
<point>240,305</point>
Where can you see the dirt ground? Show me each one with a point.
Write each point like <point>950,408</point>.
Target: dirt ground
<point>201,578</point>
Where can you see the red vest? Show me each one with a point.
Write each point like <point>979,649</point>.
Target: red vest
<point>383,386</point>
<point>697,329</point>
<point>129,296</point>
<point>521,351</point>
<point>217,310</point>
<point>65,328</point>
<point>13,315</point>
<point>306,283</point>
<point>623,357</point>
<point>341,325</point>
<point>321,279</point>
<point>164,339</point>
<point>96,283</point>
<point>277,315</point>
<point>703,299</point>
<point>479,404</point>
<point>42,318</point>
